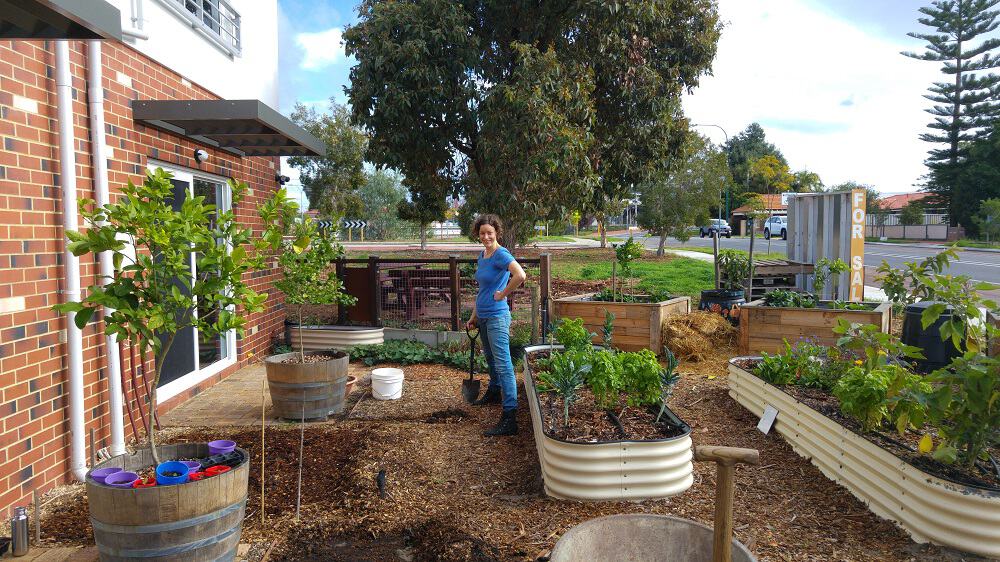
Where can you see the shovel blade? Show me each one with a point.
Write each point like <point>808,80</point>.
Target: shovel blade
<point>470,390</point>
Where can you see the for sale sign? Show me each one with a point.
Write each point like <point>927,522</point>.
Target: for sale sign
<point>857,245</point>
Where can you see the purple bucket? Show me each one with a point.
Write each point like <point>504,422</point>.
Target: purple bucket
<point>221,447</point>
<point>193,466</point>
<point>121,479</point>
<point>101,473</point>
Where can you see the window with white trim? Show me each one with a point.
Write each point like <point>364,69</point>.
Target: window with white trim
<point>217,20</point>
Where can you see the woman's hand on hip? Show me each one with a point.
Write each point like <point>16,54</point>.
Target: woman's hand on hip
<point>498,296</point>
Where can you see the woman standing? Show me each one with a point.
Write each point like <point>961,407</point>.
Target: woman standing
<point>498,275</point>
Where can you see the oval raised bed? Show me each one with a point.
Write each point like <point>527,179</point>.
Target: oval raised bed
<point>637,324</point>
<point>319,338</point>
<point>198,520</point>
<point>608,470</point>
<point>929,508</point>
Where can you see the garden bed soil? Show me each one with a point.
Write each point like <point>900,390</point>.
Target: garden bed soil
<point>453,494</point>
<point>902,446</point>
<point>315,358</point>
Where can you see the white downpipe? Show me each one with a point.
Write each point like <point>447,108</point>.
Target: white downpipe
<point>67,181</point>
<point>95,99</point>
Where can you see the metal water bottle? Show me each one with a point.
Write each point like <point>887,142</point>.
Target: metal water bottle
<point>19,532</point>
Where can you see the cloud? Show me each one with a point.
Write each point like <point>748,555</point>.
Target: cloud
<point>834,98</point>
<point>321,49</point>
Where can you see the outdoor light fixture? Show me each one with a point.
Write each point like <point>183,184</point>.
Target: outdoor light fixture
<point>282,180</point>
<point>200,155</point>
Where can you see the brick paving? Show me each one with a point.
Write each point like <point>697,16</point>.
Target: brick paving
<point>234,401</point>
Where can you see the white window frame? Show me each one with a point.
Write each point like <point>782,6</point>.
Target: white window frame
<point>192,379</point>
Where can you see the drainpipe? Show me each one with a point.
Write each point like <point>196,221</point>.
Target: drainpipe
<point>67,181</point>
<point>95,99</point>
<point>136,31</point>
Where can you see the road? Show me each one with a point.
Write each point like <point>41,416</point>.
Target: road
<point>981,266</point>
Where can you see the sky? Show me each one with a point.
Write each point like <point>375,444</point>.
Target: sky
<point>824,78</point>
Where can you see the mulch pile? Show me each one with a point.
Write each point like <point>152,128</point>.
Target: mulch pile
<point>451,494</point>
<point>698,335</point>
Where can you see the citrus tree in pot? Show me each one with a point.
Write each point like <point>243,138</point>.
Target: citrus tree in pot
<point>156,294</point>
<point>308,385</point>
<point>734,268</point>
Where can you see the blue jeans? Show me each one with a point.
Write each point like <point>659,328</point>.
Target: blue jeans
<point>496,346</point>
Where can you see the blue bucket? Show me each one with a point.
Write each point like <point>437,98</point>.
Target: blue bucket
<point>172,466</point>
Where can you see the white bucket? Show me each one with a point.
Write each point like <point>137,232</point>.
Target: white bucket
<point>387,383</point>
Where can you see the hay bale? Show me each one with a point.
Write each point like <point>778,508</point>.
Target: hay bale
<point>694,336</point>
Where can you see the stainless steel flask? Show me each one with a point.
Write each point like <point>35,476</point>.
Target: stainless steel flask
<point>19,532</point>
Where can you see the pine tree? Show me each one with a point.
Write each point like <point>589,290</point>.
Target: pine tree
<point>965,108</point>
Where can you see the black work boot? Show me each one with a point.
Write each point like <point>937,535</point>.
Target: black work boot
<point>506,426</point>
<point>492,396</point>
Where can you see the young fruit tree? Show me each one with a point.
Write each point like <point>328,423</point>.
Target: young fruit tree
<point>156,293</point>
<point>681,196</point>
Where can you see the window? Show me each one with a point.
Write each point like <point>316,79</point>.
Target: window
<point>217,20</point>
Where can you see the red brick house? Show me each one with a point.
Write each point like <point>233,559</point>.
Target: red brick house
<point>76,114</point>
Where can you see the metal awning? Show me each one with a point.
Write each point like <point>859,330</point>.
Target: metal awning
<point>242,127</point>
<point>59,19</point>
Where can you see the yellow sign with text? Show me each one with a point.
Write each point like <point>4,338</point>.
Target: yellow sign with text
<point>857,245</point>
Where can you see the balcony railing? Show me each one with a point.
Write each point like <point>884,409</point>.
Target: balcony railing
<point>215,19</point>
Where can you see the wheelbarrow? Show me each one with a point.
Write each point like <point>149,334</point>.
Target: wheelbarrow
<point>641,537</point>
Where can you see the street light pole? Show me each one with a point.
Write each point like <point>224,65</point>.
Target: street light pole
<point>727,142</point>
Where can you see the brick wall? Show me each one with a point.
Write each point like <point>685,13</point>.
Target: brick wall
<point>34,425</point>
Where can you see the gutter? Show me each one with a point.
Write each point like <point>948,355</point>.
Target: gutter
<point>95,101</point>
<point>71,291</point>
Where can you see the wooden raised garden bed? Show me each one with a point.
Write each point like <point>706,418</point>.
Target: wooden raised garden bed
<point>929,508</point>
<point>765,328</point>
<point>637,325</point>
<point>608,470</point>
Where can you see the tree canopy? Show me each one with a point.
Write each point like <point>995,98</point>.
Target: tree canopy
<point>743,150</point>
<point>526,107</point>
<point>331,182</point>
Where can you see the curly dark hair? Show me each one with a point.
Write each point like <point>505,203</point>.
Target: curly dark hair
<point>489,219</point>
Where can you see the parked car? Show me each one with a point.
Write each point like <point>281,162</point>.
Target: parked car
<point>716,225</point>
<point>777,226</point>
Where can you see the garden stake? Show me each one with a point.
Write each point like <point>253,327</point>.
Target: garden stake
<point>38,518</point>
<point>93,452</point>
<point>263,396</point>
<point>302,440</point>
<point>128,404</point>
<point>135,386</point>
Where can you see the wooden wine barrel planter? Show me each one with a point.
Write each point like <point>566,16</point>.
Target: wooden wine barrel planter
<point>310,390</point>
<point>187,522</point>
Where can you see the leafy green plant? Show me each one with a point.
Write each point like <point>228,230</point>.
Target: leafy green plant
<point>909,284</point>
<point>825,271</point>
<point>875,347</point>
<point>156,292</point>
<point>605,378</point>
<point>410,352</point>
<point>863,395</point>
<point>564,377</point>
<point>734,269</point>
<point>608,329</point>
<point>668,380</point>
<point>775,369</point>
<point>641,377</point>
<point>847,305</point>
<point>789,299</point>
<point>572,334</point>
<point>966,327</point>
<point>964,405</point>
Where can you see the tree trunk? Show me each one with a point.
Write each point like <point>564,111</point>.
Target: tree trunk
<point>302,346</point>
<point>659,246</point>
<point>604,233</point>
<point>423,236</point>
<point>509,237</point>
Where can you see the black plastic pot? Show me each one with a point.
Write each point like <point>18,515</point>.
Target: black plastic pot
<point>938,352</point>
<point>726,302</point>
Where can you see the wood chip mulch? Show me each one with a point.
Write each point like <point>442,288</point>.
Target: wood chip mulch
<point>451,494</point>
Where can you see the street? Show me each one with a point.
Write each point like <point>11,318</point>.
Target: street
<point>981,266</point>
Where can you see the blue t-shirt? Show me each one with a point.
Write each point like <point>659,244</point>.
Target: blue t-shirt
<point>492,276</point>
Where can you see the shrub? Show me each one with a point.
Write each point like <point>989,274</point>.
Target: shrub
<point>605,378</point>
<point>862,394</point>
<point>641,377</point>
<point>572,334</point>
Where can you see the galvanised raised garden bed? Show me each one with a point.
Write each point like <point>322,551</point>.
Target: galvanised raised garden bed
<point>765,328</point>
<point>929,508</point>
<point>637,324</point>
<point>608,470</point>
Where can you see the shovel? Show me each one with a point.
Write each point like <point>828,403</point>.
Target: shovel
<point>470,386</point>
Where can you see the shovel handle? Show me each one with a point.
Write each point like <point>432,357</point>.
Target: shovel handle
<point>726,459</point>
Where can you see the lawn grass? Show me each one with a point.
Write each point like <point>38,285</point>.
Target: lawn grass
<point>553,238</point>
<point>974,244</point>
<point>674,275</point>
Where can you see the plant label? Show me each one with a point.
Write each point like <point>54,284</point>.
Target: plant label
<point>767,419</point>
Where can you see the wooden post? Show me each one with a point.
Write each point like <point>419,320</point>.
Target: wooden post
<point>93,449</point>
<point>456,291</point>
<point>545,285</point>
<point>341,309</point>
<point>362,234</point>
<point>535,299</point>
<point>38,518</point>
<point>376,304</point>
<point>715,255</point>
